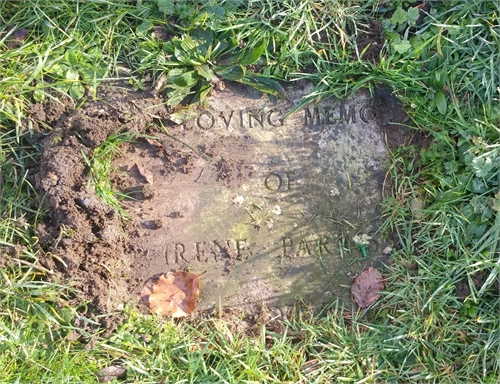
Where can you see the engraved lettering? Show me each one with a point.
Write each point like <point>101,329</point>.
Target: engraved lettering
<point>256,118</point>
<point>273,181</point>
<point>205,121</point>
<point>322,245</point>
<point>200,251</point>
<point>328,115</point>
<point>346,116</point>
<point>179,252</point>
<point>156,254</point>
<point>228,120</point>
<point>220,251</point>
<point>303,248</point>
<point>169,254</point>
<point>367,113</point>
<point>288,179</point>
<point>274,123</point>
<point>240,246</point>
<point>313,118</point>
<point>241,120</point>
<point>287,246</point>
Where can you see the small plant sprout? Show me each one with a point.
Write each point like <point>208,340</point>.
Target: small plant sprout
<point>361,241</point>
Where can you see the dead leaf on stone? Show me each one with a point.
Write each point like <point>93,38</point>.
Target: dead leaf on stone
<point>145,173</point>
<point>172,294</point>
<point>110,373</point>
<point>366,287</point>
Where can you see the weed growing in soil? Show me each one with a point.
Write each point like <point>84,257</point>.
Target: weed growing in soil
<point>100,168</point>
<point>438,318</point>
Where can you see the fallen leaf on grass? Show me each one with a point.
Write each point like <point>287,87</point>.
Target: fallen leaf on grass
<point>172,294</point>
<point>366,287</point>
<point>110,373</point>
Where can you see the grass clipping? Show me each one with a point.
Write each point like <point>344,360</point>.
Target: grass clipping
<point>172,294</point>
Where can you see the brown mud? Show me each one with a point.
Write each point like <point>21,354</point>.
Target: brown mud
<point>84,240</point>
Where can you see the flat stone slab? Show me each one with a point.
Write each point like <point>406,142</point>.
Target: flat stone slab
<point>265,206</point>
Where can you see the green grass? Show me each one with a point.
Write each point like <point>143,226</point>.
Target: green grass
<point>100,169</point>
<point>443,207</point>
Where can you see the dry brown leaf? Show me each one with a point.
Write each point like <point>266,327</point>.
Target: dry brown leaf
<point>110,373</point>
<point>145,173</point>
<point>155,143</point>
<point>172,294</point>
<point>366,287</point>
<point>16,38</point>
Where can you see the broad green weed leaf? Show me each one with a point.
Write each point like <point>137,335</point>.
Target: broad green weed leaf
<point>38,93</point>
<point>451,195</point>
<point>401,46</point>
<point>175,97</point>
<point>250,56</point>
<point>76,90</point>
<point>184,57</point>
<point>412,15</point>
<point>482,165</point>
<point>264,84</point>
<point>234,72</point>
<point>440,100</point>
<point>220,48</point>
<point>203,39</point>
<point>180,55</point>
<point>188,44</point>
<point>166,6</point>
<point>217,11</point>
<point>206,72</point>
<point>72,57</point>
<point>202,94</point>
<point>144,27</point>
<point>71,74</point>
<point>474,230</point>
<point>399,16</point>
<point>182,78</point>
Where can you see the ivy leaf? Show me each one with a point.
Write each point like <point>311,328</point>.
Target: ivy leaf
<point>399,16</point>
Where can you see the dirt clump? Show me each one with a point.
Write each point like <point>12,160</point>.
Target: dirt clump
<point>81,234</point>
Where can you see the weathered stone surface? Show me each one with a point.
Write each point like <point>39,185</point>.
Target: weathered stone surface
<point>268,206</point>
